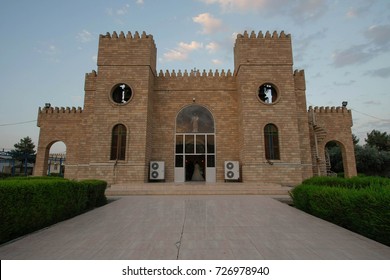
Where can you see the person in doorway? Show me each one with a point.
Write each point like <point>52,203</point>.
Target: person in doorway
<point>197,175</point>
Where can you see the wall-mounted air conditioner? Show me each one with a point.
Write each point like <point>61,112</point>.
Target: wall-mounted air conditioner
<point>232,170</point>
<point>157,170</point>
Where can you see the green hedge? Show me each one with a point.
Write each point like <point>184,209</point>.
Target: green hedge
<point>361,205</point>
<point>30,204</point>
<point>355,182</point>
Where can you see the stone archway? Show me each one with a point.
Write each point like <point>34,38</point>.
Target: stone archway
<point>45,163</point>
<point>334,158</point>
<point>57,159</point>
<point>347,157</point>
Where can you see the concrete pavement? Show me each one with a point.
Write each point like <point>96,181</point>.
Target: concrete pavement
<point>194,227</point>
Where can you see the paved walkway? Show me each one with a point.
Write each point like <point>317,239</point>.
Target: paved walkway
<point>194,227</point>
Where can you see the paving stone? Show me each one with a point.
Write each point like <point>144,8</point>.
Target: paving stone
<point>194,227</point>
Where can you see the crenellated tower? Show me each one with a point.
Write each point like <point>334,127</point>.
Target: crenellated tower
<point>267,97</point>
<point>252,49</point>
<point>129,50</point>
<point>125,63</point>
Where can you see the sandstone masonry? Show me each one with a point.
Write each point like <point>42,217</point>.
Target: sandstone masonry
<point>256,116</point>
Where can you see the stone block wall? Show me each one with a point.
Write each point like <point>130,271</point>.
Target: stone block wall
<point>268,60</point>
<point>332,124</point>
<point>215,91</point>
<point>58,124</point>
<point>157,97</point>
<point>303,128</point>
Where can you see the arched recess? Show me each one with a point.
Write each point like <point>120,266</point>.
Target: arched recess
<point>56,158</point>
<point>335,156</point>
<point>347,155</point>
<point>271,142</point>
<point>118,142</point>
<point>195,145</point>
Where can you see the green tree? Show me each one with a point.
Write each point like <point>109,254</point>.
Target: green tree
<point>336,159</point>
<point>355,139</point>
<point>369,160</point>
<point>24,149</point>
<point>380,140</point>
<point>373,158</point>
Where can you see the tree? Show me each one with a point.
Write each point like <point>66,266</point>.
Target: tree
<point>335,156</point>
<point>369,160</point>
<point>355,139</point>
<point>24,149</point>
<point>380,140</point>
<point>374,157</point>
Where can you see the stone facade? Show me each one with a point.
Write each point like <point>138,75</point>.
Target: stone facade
<point>240,116</point>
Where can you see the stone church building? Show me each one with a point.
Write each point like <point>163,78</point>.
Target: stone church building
<point>249,125</point>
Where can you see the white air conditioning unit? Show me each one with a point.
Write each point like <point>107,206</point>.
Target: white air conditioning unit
<point>232,170</point>
<point>157,170</point>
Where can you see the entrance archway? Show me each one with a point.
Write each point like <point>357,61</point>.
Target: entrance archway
<point>195,145</point>
<point>56,159</point>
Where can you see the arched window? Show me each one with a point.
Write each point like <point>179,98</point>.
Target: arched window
<point>271,141</point>
<point>118,142</point>
<point>194,119</point>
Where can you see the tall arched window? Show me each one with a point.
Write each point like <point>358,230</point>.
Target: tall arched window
<point>195,145</point>
<point>118,142</point>
<point>194,119</point>
<point>271,141</point>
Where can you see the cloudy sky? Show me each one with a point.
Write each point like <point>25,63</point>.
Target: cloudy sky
<point>47,46</point>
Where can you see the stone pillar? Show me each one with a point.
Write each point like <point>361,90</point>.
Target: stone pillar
<point>41,165</point>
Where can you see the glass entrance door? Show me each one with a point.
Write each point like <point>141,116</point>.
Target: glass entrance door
<point>195,168</point>
<point>195,157</point>
<point>195,145</point>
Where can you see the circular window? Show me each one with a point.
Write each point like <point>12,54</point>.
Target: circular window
<point>121,94</point>
<point>268,93</point>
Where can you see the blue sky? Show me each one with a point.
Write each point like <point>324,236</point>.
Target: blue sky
<point>47,46</point>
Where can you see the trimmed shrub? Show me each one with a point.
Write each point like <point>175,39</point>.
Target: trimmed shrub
<point>95,192</point>
<point>360,205</point>
<point>30,204</point>
<point>355,182</point>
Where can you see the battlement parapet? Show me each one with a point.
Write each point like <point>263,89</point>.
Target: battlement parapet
<point>195,80</point>
<point>93,74</point>
<point>90,81</point>
<point>337,119</point>
<point>260,50</point>
<point>127,50</point>
<point>299,72</point>
<point>327,110</point>
<point>260,35</point>
<point>59,110</point>
<point>55,114</point>
<point>299,80</point>
<point>128,37</point>
<point>195,74</point>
